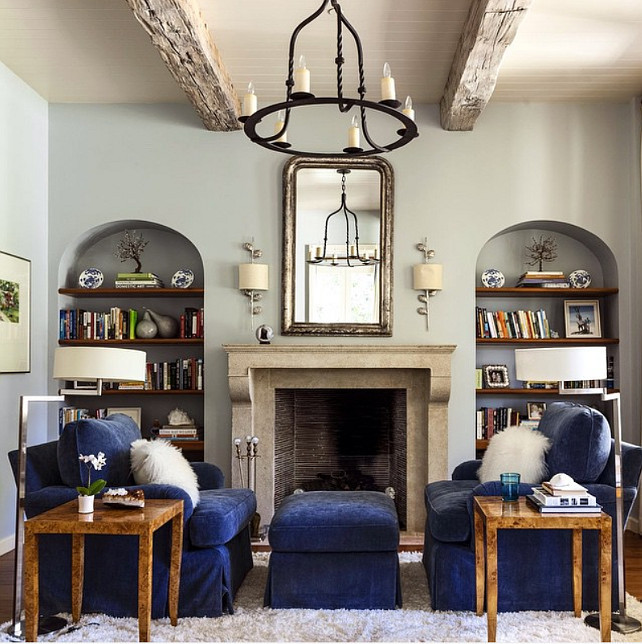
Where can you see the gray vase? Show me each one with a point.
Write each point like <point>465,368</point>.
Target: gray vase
<point>146,328</point>
<point>167,325</point>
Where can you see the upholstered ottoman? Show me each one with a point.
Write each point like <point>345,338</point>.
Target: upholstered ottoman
<point>334,550</point>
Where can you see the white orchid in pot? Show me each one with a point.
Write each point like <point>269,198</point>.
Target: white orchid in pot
<point>86,498</point>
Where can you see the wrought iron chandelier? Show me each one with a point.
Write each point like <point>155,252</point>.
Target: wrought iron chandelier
<point>353,255</point>
<point>298,95</point>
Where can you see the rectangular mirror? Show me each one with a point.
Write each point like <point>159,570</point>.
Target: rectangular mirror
<point>337,246</point>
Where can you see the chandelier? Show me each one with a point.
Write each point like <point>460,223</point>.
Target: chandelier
<point>298,95</point>
<point>353,255</point>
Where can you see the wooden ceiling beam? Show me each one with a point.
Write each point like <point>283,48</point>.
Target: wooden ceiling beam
<point>490,27</point>
<point>180,34</point>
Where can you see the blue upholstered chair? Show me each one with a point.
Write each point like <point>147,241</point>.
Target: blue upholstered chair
<point>216,539</point>
<point>534,566</point>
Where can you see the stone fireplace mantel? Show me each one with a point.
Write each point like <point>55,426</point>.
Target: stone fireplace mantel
<point>424,371</point>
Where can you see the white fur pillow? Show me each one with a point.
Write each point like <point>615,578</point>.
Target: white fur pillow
<point>516,449</point>
<point>159,461</point>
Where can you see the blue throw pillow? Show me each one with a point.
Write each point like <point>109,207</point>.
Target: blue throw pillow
<point>112,436</point>
<point>580,440</point>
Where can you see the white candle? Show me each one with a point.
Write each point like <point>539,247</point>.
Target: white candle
<point>334,258</point>
<point>249,101</point>
<point>387,85</point>
<point>302,77</point>
<point>318,255</point>
<point>353,133</point>
<point>376,253</point>
<point>407,109</point>
<point>280,122</point>
<point>353,250</point>
<point>309,253</point>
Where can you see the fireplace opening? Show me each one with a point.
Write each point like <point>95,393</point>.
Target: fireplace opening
<point>341,439</point>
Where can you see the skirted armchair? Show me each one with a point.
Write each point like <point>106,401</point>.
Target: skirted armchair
<point>216,536</point>
<point>534,566</point>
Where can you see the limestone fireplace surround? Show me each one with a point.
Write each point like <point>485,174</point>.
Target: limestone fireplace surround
<point>424,371</point>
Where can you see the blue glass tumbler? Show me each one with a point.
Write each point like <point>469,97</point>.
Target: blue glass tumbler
<point>510,486</point>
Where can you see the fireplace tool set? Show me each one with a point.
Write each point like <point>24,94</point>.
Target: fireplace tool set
<point>250,456</point>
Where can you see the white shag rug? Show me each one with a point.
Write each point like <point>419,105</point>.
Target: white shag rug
<point>414,623</point>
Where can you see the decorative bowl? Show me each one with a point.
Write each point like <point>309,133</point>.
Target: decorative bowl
<point>182,278</point>
<point>492,278</point>
<point>580,279</point>
<point>91,278</point>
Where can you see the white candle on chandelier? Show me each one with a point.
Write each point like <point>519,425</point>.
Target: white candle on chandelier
<point>280,122</point>
<point>353,250</point>
<point>376,253</point>
<point>302,77</point>
<point>387,85</point>
<point>318,252</point>
<point>354,136</point>
<point>407,109</point>
<point>249,101</point>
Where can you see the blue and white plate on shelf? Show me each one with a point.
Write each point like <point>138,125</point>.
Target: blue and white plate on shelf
<point>580,279</point>
<point>492,278</point>
<point>182,278</point>
<point>91,278</point>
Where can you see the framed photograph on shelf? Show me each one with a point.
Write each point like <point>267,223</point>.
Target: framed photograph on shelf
<point>496,376</point>
<point>15,286</point>
<point>132,412</point>
<point>535,410</point>
<point>479,379</point>
<point>582,319</point>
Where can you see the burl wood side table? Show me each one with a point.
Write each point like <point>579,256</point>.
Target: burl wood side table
<point>143,522</point>
<point>492,514</point>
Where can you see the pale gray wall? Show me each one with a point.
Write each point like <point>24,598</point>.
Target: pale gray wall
<point>550,162</point>
<point>23,232</point>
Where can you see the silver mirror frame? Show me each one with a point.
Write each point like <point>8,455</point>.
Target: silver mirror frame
<point>288,325</point>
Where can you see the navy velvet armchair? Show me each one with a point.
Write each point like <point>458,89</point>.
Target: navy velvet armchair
<point>216,538</point>
<point>534,566</point>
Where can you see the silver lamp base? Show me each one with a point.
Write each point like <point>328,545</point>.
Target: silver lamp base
<point>46,624</point>
<point>619,623</point>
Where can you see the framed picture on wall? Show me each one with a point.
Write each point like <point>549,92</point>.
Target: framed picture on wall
<point>15,324</point>
<point>582,319</point>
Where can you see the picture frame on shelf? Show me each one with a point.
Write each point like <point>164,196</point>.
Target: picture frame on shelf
<point>496,376</point>
<point>132,412</point>
<point>15,324</point>
<point>479,378</point>
<point>582,319</point>
<point>534,410</point>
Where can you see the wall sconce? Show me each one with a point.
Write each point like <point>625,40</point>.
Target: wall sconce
<point>253,277</point>
<point>427,278</point>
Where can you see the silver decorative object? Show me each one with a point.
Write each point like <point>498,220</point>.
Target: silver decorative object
<point>167,325</point>
<point>146,327</point>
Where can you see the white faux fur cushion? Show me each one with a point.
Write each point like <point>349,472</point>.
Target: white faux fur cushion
<point>158,461</point>
<point>516,449</point>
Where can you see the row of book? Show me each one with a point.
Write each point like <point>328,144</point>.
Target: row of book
<point>511,324</point>
<point>491,420</point>
<point>574,498</point>
<point>180,374</point>
<point>177,432</point>
<point>543,279</point>
<point>120,324</point>
<point>138,280</point>
<point>71,414</point>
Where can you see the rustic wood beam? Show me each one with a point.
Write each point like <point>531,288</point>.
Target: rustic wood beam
<point>490,27</point>
<point>180,34</point>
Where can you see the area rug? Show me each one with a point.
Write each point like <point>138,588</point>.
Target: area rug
<point>414,623</point>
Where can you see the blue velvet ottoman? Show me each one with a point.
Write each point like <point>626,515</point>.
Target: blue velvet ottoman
<point>334,550</point>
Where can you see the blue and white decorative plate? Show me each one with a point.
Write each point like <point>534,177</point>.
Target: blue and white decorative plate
<point>91,278</point>
<point>182,278</point>
<point>492,278</point>
<point>580,279</point>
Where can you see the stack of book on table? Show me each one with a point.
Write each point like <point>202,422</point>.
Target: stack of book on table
<point>178,432</point>
<point>543,279</point>
<point>569,498</point>
<point>138,280</point>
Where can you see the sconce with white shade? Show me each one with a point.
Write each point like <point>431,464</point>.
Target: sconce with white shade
<point>253,277</point>
<point>427,278</point>
<point>586,363</point>
<point>77,364</point>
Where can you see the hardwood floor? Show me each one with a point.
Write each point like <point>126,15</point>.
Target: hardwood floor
<point>632,545</point>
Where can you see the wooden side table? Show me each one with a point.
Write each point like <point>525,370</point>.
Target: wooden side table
<point>492,514</point>
<point>143,522</point>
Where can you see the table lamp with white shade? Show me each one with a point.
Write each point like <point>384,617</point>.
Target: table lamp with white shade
<point>78,364</point>
<point>565,364</point>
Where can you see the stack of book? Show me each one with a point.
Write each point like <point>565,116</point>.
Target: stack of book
<point>569,498</point>
<point>178,432</point>
<point>138,280</point>
<point>543,279</point>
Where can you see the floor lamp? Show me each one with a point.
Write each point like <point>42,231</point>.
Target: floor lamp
<point>78,364</point>
<point>586,363</point>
